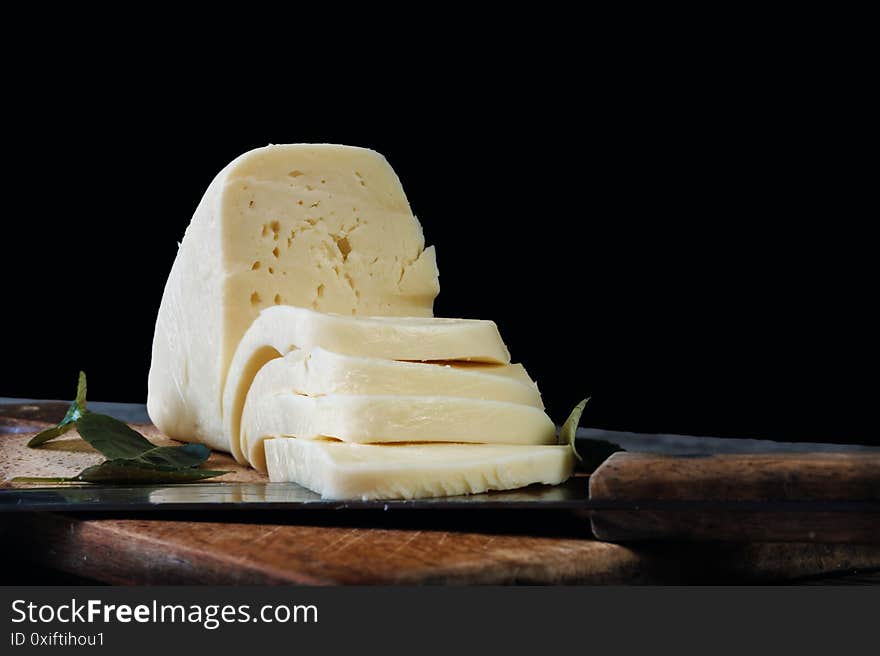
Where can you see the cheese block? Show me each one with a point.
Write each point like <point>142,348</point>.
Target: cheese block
<point>318,372</point>
<point>384,419</point>
<point>279,330</point>
<point>337,470</point>
<point>319,226</point>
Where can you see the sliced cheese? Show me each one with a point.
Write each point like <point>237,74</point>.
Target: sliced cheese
<point>320,226</point>
<point>337,470</point>
<point>318,372</point>
<point>513,371</point>
<point>383,419</point>
<point>279,330</point>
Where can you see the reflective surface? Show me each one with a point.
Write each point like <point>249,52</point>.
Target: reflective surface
<point>266,496</point>
<point>571,495</point>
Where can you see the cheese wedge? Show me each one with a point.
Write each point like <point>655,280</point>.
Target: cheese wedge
<point>383,419</point>
<point>279,330</point>
<point>337,470</point>
<point>320,226</point>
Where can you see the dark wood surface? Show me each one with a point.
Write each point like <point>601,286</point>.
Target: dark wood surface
<point>422,550</point>
<point>739,477</point>
<point>378,548</point>
<point>762,479</point>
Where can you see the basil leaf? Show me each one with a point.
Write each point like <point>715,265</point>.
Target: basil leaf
<point>595,451</point>
<point>128,471</point>
<point>51,433</point>
<point>112,437</point>
<point>81,388</point>
<point>132,471</point>
<point>569,429</point>
<point>187,455</point>
<point>131,457</point>
<point>76,410</point>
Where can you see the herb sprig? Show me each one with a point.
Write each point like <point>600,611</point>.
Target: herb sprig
<point>596,450</point>
<point>131,458</point>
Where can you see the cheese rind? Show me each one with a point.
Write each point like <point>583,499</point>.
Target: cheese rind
<point>279,330</point>
<point>384,419</point>
<point>337,470</point>
<point>321,226</point>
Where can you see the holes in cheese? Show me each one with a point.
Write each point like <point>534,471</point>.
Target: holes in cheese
<point>278,330</point>
<point>385,419</point>
<point>316,239</point>
<point>337,470</point>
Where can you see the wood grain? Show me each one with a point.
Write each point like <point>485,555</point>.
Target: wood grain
<point>762,478</point>
<point>374,548</point>
<point>124,551</point>
<point>740,477</point>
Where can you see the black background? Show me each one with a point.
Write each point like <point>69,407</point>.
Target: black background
<point>682,233</point>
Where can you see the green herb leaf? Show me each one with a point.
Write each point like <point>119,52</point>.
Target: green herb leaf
<point>132,458</point>
<point>74,413</point>
<point>569,429</point>
<point>187,455</point>
<point>132,471</point>
<point>112,437</point>
<point>128,471</point>
<point>81,388</point>
<point>595,451</point>
<point>51,433</point>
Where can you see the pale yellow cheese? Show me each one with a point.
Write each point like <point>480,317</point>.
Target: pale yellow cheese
<point>337,470</point>
<point>320,226</point>
<point>318,372</point>
<point>514,371</point>
<point>385,419</point>
<point>279,330</point>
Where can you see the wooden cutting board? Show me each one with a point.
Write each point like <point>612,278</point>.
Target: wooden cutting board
<point>410,547</point>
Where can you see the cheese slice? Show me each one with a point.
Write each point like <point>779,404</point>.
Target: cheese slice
<point>318,372</point>
<point>383,419</point>
<point>513,371</point>
<point>279,330</point>
<point>319,226</point>
<point>337,470</point>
